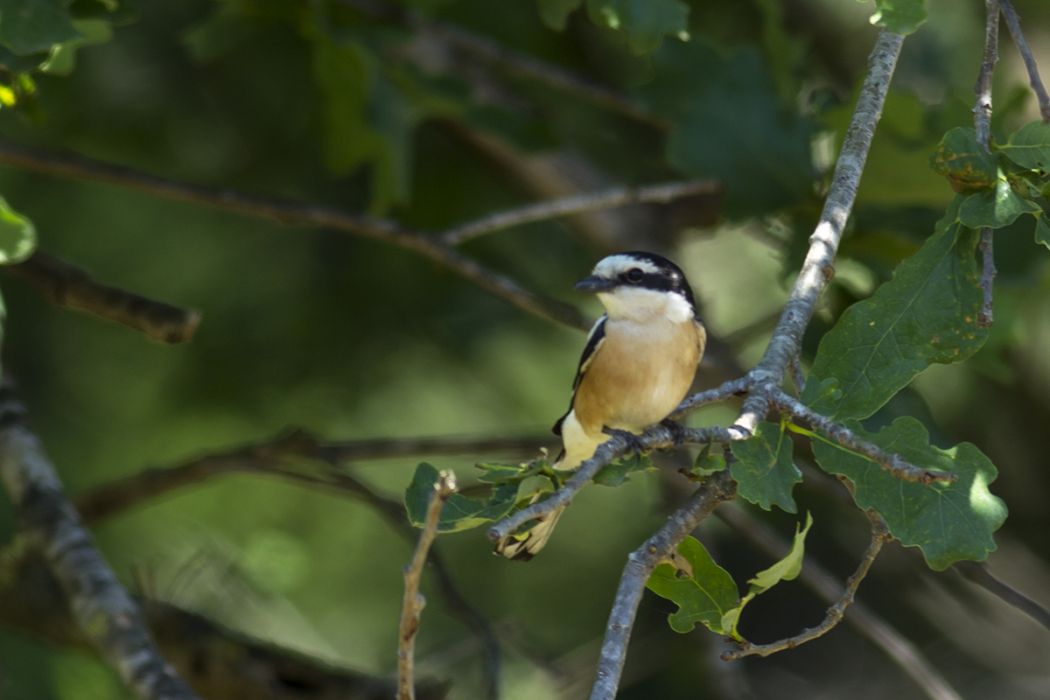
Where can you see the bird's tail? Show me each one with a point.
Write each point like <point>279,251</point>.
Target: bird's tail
<point>523,546</point>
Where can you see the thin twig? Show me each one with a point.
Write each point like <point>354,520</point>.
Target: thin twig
<point>879,536</point>
<point>294,213</point>
<point>982,122</point>
<point>578,204</point>
<point>818,267</point>
<point>1013,23</point>
<point>982,576</point>
<point>861,618</point>
<point>640,564</point>
<point>656,437</point>
<point>68,286</point>
<point>413,601</point>
<point>891,462</point>
<point>734,387</point>
<point>105,612</point>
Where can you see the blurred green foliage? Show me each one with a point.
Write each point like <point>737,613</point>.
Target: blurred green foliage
<point>335,103</point>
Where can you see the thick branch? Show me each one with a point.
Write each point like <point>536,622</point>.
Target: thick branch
<point>578,204</point>
<point>412,604</point>
<point>891,462</point>
<point>294,213</point>
<point>818,267</point>
<point>102,608</point>
<point>1013,23</point>
<point>640,564</point>
<point>861,618</point>
<point>69,286</point>
<point>879,536</point>
<point>656,437</point>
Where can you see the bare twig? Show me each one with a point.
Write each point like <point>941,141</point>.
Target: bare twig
<point>879,536</point>
<point>1013,23</point>
<point>640,564</point>
<point>656,437</point>
<point>979,574</point>
<point>734,387</point>
<point>891,462</point>
<point>982,121</point>
<point>577,204</point>
<point>413,602</point>
<point>818,267</point>
<point>69,286</point>
<point>861,618</point>
<point>103,609</point>
<point>986,316</point>
<point>294,213</point>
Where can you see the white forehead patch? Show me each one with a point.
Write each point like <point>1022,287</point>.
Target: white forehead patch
<point>615,264</point>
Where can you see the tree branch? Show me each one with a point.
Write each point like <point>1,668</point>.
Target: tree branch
<point>577,204</point>
<point>1013,23</point>
<point>879,536</point>
<point>640,564</point>
<point>657,437</point>
<point>818,267</point>
<point>980,575</point>
<point>982,120</point>
<point>893,463</point>
<point>102,608</point>
<point>861,618</point>
<point>66,285</point>
<point>733,387</point>
<point>413,602</point>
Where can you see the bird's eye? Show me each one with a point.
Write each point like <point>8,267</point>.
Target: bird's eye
<point>634,275</point>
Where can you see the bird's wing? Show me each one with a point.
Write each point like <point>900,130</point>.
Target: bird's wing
<point>594,341</point>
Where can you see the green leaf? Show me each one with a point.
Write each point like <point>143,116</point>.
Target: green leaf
<point>63,57</point>
<point>927,313</point>
<point>948,522</point>
<point>1042,230</point>
<point>31,26</point>
<point>703,591</point>
<point>1029,147</point>
<point>900,16</point>
<point>555,13</point>
<point>17,235</point>
<point>762,153</point>
<point>644,23</point>
<point>460,512</point>
<point>764,470</point>
<point>994,209</point>
<point>964,162</point>
<point>617,472</point>
<point>786,569</point>
<point>707,463</point>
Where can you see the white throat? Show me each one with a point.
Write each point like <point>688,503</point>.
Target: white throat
<point>645,305</point>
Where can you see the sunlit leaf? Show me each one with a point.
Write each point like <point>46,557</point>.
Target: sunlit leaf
<point>994,208</point>
<point>703,591</point>
<point>966,164</point>
<point>644,23</point>
<point>927,313</point>
<point>900,16</point>
<point>764,470</point>
<point>948,522</point>
<point>1029,147</point>
<point>17,235</point>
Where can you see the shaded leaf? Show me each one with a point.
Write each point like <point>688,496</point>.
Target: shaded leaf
<point>707,462</point>
<point>617,472</point>
<point>460,512</point>
<point>964,162</point>
<point>644,23</point>
<point>1029,147</point>
<point>62,59</point>
<point>926,313</point>
<point>994,208</point>
<point>32,26</point>
<point>17,235</point>
<point>948,522</point>
<point>1042,230</point>
<point>900,16</point>
<point>703,591</point>
<point>764,470</point>
<point>555,13</point>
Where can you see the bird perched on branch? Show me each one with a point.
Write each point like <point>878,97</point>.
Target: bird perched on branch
<point>638,364</point>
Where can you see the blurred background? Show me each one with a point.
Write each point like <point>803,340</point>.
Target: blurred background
<point>378,107</point>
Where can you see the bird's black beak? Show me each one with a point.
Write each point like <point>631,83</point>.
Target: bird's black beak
<point>595,284</point>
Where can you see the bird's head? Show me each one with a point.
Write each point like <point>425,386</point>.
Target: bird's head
<point>641,286</point>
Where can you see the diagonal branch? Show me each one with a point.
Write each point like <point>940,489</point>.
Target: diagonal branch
<point>879,536</point>
<point>66,285</point>
<point>1013,23</point>
<point>102,608</point>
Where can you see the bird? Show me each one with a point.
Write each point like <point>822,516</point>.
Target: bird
<point>639,362</point>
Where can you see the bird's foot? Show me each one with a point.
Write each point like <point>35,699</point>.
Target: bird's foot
<point>677,430</point>
<point>634,443</point>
